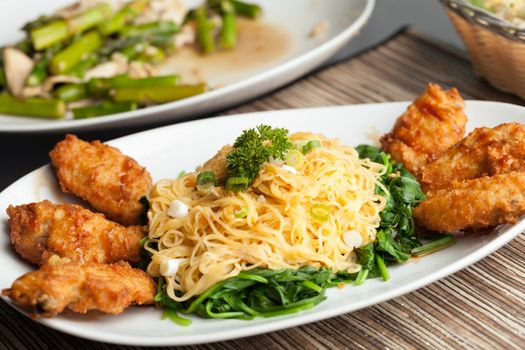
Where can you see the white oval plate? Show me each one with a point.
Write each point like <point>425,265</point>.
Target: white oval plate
<point>296,17</point>
<point>167,151</point>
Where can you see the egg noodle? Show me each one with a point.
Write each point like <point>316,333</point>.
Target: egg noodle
<point>274,224</point>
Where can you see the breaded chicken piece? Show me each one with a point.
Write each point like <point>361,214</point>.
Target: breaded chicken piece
<point>42,230</point>
<point>218,163</point>
<point>433,123</point>
<point>484,151</point>
<point>474,204</point>
<point>100,174</point>
<point>109,288</point>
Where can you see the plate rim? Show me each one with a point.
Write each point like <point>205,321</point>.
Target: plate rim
<point>289,65</point>
<point>299,319</point>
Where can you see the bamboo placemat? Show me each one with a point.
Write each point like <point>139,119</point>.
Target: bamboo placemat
<point>481,307</point>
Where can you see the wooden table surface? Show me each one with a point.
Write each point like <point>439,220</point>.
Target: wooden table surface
<point>480,307</point>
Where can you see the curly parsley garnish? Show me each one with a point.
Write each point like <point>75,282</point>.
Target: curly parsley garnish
<point>251,149</point>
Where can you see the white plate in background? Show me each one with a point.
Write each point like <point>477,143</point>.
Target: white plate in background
<point>296,18</point>
<point>167,151</point>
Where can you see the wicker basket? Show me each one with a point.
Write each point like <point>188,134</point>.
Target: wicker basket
<point>496,47</point>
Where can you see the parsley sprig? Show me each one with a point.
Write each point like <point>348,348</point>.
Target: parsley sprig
<point>251,149</point>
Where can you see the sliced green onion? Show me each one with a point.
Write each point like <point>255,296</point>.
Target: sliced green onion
<point>241,213</point>
<point>205,181</point>
<point>237,184</point>
<point>181,174</point>
<point>320,212</point>
<point>294,158</point>
<point>310,145</point>
<point>433,247</point>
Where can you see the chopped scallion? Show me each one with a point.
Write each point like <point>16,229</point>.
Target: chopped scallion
<point>237,184</point>
<point>241,213</point>
<point>294,158</point>
<point>310,145</point>
<point>320,212</point>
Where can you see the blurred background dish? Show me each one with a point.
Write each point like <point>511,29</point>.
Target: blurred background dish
<point>494,35</point>
<point>313,34</point>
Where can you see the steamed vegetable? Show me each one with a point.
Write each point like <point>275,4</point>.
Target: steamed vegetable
<point>91,52</point>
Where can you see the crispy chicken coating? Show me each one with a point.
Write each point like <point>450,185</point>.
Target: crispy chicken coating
<point>218,163</point>
<point>109,288</point>
<point>434,122</point>
<point>100,174</point>
<point>43,230</point>
<point>474,204</point>
<point>484,151</point>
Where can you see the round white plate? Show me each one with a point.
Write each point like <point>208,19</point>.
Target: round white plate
<point>167,151</point>
<point>295,17</point>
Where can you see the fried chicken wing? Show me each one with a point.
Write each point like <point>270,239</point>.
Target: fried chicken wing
<point>42,230</point>
<point>109,288</point>
<point>474,204</point>
<point>484,151</point>
<point>100,174</point>
<point>434,122</point>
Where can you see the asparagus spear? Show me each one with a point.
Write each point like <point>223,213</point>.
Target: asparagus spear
<point>245,9</point>
<point>157,94</point>
<point>125,15</point>
<point>35,107</point>
<point>228,34</point>
<point>71,92</point>
<point>57,31</point>
<point>103,85</point>
<point>204,30</point>
<point>105,108</point>
<point>69,57</point>
<point>149,29</point>
<point>242,8</point>
<point>39,73</point>
<point>87,62</point>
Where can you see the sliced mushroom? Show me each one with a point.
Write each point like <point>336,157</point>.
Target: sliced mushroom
<point>106,70</point>
<point>49,83</point>
<point>17,67</point>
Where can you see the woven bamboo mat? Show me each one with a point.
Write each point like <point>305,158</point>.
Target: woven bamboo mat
<point>481,307</point>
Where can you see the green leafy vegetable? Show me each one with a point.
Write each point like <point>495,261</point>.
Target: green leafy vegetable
<point>251,149</point>
<point>396,236</point>
<point>260,292</point>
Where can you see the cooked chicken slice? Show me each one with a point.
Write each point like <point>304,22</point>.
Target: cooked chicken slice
<point>219,163</point>
<point>109,288</point>
<point>484,151</point>
<point>474,204</point>
<point>433,123</point>
<point>100,174</point>
<point>40,231</point>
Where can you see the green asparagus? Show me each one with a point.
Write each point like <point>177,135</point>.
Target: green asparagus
<point>98,86</point>
<point>245,9</point>
<point>84,65</point>
<point>124,16</point>
<point>105,108</point>
<point>204,30</point>
<point>39,73</point>
<point>71,92</point>
<point>57,31</point>
<point>157,94</point>
<point>228,34</point>
<point>34,107</point>
<point>68,58</point>
<point>149,29</point>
